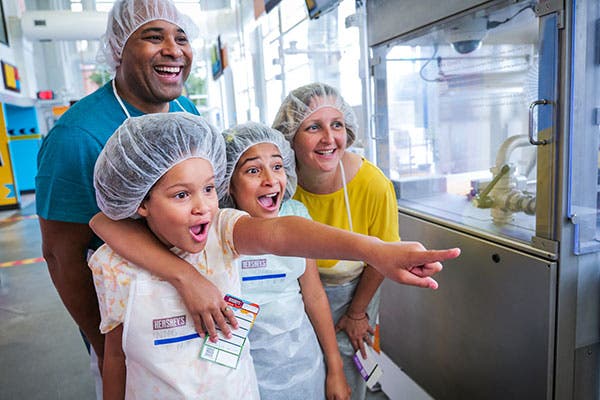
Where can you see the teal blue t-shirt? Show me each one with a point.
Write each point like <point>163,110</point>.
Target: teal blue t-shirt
<point>65,178</point>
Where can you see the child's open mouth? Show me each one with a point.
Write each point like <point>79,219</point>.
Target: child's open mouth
<point>269,201</point>
<point>199,232</point>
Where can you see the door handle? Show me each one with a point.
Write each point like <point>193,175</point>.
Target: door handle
<point>532,106</point>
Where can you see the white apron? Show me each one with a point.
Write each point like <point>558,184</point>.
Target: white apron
<point>162,349</point>
<point>285,349</point>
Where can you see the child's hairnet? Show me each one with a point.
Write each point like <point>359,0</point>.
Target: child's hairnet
<point>305,100</point>
<point>143,149</point>
<point>239,139</point>
<point>126,16</point>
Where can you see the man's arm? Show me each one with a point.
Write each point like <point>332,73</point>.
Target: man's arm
<point>64,246</point>
<point>202,298</point>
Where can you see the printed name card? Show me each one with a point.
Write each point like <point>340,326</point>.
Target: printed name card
<point>227,351</point>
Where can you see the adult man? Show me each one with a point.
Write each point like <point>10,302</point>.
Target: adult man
<point>147,42</point>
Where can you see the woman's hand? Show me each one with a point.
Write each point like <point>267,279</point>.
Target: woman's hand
<point>358,330</point>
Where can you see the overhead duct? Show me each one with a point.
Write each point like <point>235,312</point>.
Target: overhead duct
<point>63,25</point>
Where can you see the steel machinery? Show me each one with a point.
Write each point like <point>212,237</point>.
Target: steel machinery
<point>486,117</point>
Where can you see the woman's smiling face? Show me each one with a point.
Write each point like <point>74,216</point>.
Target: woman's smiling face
<point>258,183</point>
<point>321,140</point>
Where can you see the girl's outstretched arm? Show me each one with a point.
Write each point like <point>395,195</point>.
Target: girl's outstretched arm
<point>404,262</point>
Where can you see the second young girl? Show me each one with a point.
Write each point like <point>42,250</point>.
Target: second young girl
<point>260,179</point>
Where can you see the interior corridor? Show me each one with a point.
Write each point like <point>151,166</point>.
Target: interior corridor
<point>42,354</point>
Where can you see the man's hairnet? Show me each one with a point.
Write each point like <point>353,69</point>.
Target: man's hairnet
<point>305,100</point>
<point>239,139</point>
<point>143,149</point>
<point>126,16</point>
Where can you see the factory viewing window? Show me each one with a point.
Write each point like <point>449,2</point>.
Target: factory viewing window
<point>458,119</point>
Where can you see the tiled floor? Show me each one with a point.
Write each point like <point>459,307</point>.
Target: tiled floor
<point>42,355</point>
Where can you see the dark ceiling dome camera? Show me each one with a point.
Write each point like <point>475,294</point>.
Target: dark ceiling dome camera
<point>466,35</point>
<point>466,46</point>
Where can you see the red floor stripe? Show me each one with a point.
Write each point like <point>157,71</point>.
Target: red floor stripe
<point>22,262</point>
<point>18,218</point>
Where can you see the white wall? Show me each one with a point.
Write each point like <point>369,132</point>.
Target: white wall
<point>19,54</point>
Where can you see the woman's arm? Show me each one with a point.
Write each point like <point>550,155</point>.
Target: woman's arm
<point>113,371</point>
<point>404,262</point>
<point>356,321</point>
<point>319,313</point>
<point>203,300</point>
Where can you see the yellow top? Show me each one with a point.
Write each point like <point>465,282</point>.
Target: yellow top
<point>374,211</point>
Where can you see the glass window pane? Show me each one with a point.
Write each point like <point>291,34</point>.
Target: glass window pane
<point>584,207</point>
<point>457,120</point>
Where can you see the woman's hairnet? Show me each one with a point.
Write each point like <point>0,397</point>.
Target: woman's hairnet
<point>143,149</point>
<point>126,16</point>
<point>239,139</point>
<point>305,100</point>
